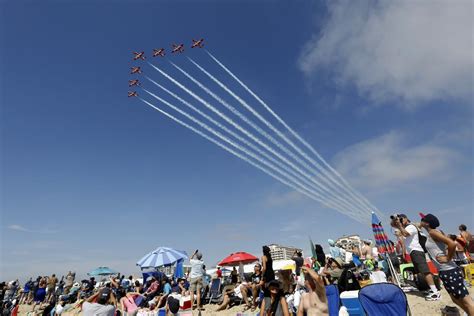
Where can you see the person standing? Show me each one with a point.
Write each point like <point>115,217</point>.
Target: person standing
<point>52,281</point>
<point>441,249</point>
<point>417,253</point>
<point>267,267</point>
<point>469,240</point>
<point>219,273</point>
<point>299,261</point>
<point>196,277</point>
<point>69,282</point>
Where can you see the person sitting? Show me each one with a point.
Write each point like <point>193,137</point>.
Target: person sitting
<point>274,304</point>
<point>128,304</point>
<point>240,291</point>
<point>377,275</point>
<point>255,286</point>
<point>105,304</point>
<point>152,290</point>
<point>314,302</point>
<point>333,269</point>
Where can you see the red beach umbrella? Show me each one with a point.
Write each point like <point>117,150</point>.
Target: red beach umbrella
<point>237,258</point>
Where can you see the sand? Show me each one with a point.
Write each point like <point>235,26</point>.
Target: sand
<point>417,304</point>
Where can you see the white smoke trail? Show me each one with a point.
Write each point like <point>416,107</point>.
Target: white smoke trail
<point>259,130</point>
<point>258,166</point>
<point>289,142</point>
<point>237,126</point>
<point>243,140</point>
<point>316,196</point>
<point>296,135</point>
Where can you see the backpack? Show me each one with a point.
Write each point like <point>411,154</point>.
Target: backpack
<point>348,281</point>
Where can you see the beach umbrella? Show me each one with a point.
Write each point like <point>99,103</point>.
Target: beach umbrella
<point>381,239</point>
<point>236,258</point>
<point>102,271</point>
<point>161,256</point>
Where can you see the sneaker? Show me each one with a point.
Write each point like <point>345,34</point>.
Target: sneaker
<point>433,296</point>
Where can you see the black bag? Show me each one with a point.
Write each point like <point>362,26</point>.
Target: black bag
<point>422,240</point>
<point>348,281</point>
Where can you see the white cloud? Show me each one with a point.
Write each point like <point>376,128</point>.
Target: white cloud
<point>408,51</point>
<point>390,160</point>
<point>27,230</point>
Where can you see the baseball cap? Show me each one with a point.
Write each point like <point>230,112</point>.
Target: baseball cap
<point>199,256</point>
<point>104,296</point>
<point>432,220</point>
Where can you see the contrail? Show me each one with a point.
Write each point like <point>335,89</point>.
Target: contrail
<point>243,140</point>
<point>296,135</point>
<point>246,151</point>
<point>237,126</point>
<point>275,130</point>
<point>253,125</point>
<point>226,148</point>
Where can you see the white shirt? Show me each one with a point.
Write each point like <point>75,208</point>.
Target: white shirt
<point>196,268</point>
<point>412,242</point>
<point>378,277</point>
<point>95,309</point>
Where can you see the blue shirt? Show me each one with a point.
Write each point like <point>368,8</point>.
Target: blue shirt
<point>167,288</point>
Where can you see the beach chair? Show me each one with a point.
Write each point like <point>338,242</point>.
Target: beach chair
<point>215,291</point>
<point>332,294</point>
<point>383,299</point>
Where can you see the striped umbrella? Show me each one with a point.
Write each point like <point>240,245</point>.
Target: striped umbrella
<point>381,239</point>
<point>161,256</point>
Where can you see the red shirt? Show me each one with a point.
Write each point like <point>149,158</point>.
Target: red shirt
<point>219,273</point>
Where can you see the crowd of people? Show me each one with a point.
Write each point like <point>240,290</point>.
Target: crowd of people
<point>271,292</point>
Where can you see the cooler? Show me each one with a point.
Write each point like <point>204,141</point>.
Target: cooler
<point>350,300</point>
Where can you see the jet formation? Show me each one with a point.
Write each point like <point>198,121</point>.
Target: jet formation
<point>161,52</point>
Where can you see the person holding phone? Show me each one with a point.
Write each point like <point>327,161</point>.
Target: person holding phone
<point>195,276</point>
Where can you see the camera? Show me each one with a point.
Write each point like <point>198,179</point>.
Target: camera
<point>394,217</point>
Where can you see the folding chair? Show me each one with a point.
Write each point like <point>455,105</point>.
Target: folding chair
<point>383,299</point>
<point>332,294</point>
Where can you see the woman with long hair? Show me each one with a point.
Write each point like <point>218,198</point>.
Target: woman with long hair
<point>275,303</point>
<point>267,266</point>
<point>441,250</point>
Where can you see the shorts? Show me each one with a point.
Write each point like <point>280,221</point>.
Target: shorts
<point>419,262</point>
<point>195,284</point>
<point>453,282</point>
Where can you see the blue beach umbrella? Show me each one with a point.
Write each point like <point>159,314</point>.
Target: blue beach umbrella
<point>161,256</point>
<point>102,271</point>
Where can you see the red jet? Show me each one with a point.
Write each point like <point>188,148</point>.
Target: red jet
<point>178,48</point>
<point>135,70</point>
<point>159,52</point>
<point>133,82</point>
<point>140,55</point>
<point>132,94</point>
<point>198,43</point>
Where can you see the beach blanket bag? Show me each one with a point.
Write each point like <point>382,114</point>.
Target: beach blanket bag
<point>332,294</point>
<point>383,299</point>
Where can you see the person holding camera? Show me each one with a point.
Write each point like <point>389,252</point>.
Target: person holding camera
<point>417,254</point>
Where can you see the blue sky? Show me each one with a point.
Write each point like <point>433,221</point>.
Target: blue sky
<point>90,177</point>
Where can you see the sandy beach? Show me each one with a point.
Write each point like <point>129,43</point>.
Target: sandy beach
<point>417,304</point>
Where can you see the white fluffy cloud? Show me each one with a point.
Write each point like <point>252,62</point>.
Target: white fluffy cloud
<point>407,51</point>
<point>390,160</point>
